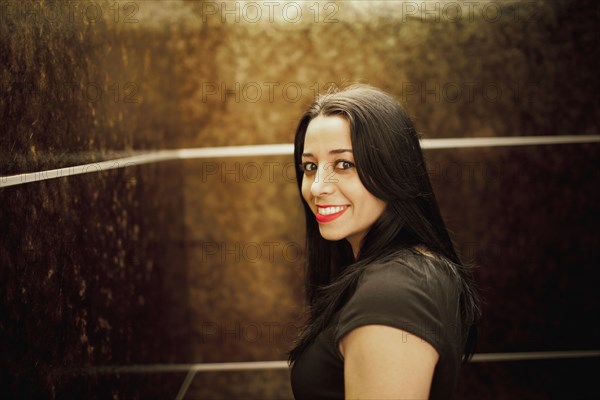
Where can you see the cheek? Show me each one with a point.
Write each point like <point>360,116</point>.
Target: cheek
<point>306,189</point>
<point>355,192</point>
<point>375,205</point>
<point>380,207</point>
<point>368,206</point>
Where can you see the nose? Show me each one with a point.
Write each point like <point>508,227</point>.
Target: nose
<point>324,182</point>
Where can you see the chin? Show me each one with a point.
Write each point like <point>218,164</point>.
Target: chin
<point>331,236</point>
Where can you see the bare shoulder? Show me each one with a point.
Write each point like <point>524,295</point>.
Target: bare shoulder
<point>386,362</point>
<point>384,337</point>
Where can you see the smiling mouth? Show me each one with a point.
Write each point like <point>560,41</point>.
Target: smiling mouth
<point>329,213</point>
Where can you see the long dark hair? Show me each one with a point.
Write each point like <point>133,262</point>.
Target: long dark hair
<point>390,164</point>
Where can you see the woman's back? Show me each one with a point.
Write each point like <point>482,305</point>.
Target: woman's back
<point>419,295</point>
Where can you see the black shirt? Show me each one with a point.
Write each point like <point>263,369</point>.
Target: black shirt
<point>413,292</point>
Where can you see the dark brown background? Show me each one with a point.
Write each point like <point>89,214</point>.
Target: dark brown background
<point>200,260</point>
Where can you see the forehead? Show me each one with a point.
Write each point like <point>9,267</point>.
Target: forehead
<point>327,133</point>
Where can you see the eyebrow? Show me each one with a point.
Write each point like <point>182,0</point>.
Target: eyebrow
<point>335,151</point>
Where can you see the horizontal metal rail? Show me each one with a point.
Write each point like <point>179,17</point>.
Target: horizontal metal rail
<point>271,150</point>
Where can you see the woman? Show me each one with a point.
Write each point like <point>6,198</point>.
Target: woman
<point>392,310</point>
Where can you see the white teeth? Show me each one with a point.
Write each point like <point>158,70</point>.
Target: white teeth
<point>330,210</point>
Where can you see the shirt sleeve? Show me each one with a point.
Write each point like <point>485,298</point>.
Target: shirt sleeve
<point>411,298</point>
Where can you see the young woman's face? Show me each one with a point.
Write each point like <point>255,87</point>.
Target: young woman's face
<point>343,207</point>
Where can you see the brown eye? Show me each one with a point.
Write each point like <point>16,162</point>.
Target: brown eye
<point>344,164</point>
<point>308,167</point>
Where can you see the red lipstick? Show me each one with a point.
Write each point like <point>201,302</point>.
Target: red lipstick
<point>328,218</point>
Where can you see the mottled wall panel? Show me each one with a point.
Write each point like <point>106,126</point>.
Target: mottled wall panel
<point>92,267</point>
<point>267,385</point>
<point>525,217</point>
<point>531,379</point>
<point>87,262</point>
<point>505,70</point>
<point>81,82</point>
<point>245,250</point>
